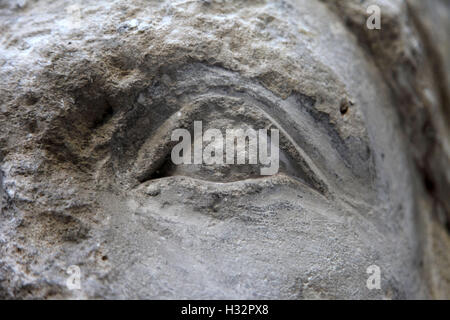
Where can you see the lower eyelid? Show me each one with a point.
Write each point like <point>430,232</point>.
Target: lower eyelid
<point>240,188</point>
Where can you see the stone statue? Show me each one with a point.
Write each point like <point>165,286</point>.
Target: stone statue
<point>93,206</point>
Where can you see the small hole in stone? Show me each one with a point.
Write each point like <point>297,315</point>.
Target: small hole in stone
<point>429,184</point>
<point>104,258</point>
<point>344,106</point>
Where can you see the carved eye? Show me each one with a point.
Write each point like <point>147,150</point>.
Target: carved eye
<point>230,141</point>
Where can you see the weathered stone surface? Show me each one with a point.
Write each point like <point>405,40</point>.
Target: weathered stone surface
<point>91,91</point>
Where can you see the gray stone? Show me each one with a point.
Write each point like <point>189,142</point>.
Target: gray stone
<point>91,91</point>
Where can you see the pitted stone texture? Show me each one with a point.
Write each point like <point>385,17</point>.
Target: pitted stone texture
<point>88,87</point>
